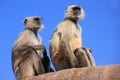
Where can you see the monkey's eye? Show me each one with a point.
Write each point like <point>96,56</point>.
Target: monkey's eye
<point>76,8</point>
<point>36,19</point>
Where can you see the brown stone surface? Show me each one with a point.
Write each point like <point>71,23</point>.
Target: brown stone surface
<point>110,72</point>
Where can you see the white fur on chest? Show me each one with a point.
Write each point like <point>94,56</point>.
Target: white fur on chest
<point>76,41</point>
<point>35,40</point>
<point>77,30</point>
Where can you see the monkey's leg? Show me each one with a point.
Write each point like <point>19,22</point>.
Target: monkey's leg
<point>45,60</point>
<point>25,68</point>
<point>37,64</point>
<point>65,58</point>
<point>82,58</point>
<point>37,61</point>
<point>30,64</point>
<point>46,63</point>
<point>66,47</point>
<point>89,55</point>
<point>72,56</point>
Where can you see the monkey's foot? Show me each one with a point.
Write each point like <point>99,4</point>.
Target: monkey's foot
<point>82,58</point>
<point>87,49</point>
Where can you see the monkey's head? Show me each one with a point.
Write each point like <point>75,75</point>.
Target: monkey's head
<point>74,12</point>
<point>33,23</point>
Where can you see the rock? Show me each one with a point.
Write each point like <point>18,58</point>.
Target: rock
<point>110,72</point>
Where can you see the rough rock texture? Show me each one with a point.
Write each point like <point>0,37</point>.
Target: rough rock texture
<point>110,72</point>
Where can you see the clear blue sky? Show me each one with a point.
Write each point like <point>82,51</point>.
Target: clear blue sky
<point>101,27</point>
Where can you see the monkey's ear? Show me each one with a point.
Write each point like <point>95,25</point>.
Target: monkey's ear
<point>25,21</point>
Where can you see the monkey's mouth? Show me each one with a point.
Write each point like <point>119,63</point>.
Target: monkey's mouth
<point>76,12</point>
<point>36,28</point>
<point>38,22</point>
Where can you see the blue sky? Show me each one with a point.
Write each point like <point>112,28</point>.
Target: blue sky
<point>101,27</point>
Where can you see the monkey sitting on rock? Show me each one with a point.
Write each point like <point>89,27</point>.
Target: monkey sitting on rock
<point>66,43</point>
<point>26,60</point>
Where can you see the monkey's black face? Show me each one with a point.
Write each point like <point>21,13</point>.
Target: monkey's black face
<point>33,23</point>
<point>37,21</point>
<point>76,11</point>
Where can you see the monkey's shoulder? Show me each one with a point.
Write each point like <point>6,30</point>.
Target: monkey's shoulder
<point>25,37</point>
<point>27,32</point>
<point>67,23</point>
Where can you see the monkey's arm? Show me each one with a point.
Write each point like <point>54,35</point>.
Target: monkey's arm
<point>60,45</point>
<point>36,47</point>
<point>33,47</point>
<point>55,44</point>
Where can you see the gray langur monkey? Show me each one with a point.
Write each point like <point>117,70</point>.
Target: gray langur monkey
<point>26,60</point>
<point>66,49</point>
